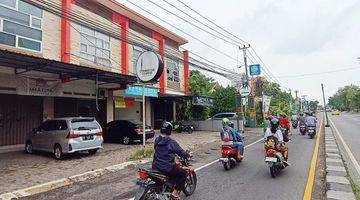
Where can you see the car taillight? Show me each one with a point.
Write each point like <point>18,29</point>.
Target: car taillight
<point>99,133</point>
<point>143,174</point>
<point>270,153</point>
<point>138,130</point>
<point>72,135</point>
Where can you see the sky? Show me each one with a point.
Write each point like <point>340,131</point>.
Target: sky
<point>293,37</point>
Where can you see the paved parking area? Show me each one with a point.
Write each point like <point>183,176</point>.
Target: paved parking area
<point>19,170</point>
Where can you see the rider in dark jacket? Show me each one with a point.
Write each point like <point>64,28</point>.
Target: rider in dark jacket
<point>164,158</point>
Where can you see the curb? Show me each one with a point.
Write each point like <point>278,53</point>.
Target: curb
<point>337,182</point>
<point>45,187</point>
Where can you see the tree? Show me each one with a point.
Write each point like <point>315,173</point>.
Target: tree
<point>224,100</point>
<point>346,99</point>
<point>280,101</point>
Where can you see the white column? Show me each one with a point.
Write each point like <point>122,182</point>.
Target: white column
<point>110,107</point>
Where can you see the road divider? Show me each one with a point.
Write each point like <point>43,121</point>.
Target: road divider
<point>311,177</point>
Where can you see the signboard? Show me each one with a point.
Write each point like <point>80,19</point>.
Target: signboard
<point>255,70</point>
<point>120,103</point>
<point>149,67</point>
<point>244,92</point>
<point>202,101</point>
<point>39,87</point>
<point>266,104</point>
<point>136,90</point>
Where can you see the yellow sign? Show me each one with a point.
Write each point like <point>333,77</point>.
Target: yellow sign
<point>120,103</point>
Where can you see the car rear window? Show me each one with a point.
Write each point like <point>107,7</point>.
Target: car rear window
<point>84,124</point>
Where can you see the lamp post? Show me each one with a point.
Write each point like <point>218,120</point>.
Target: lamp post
<point>326,116</point>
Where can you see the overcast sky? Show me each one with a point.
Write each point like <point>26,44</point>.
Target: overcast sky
<point>293,37</point>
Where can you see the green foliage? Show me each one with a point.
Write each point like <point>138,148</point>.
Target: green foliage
<point>142,153</point>
<point>346,99</point>
<point>200,84</point>
<point>224,100</point>
<point>313,105</point>
<point>280,101</point>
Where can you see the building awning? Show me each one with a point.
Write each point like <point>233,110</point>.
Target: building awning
<point>24,63</point>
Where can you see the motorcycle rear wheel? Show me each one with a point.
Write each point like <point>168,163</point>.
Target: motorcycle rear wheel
<point>272,171</point>
<point>190,184</point>
<point>227,165</point>
<point>148,194</point>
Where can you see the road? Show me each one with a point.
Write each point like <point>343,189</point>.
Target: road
<point>249,180</point>
<point>252,180</point>
<point>348,125</point>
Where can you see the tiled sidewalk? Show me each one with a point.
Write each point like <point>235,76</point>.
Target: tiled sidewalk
<point>338,185</point>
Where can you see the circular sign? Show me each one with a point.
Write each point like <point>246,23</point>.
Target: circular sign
<point>149,67</point>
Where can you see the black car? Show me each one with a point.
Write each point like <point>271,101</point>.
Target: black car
<point>126,131</point>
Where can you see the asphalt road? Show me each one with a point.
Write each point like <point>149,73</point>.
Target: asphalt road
<point>348,125</point>
<point>251,179</point>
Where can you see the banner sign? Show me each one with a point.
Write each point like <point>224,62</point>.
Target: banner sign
<point>136,90</point>
<point>255,70</point>
<point>120,103</point>
<point>202,101</point>
<point>266,104</point>
<point>39,87</point>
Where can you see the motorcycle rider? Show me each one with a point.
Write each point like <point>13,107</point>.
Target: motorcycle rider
<point>237,137</point>
<point>274,131</point>
<point>302,119</point>
<point>164,158</point>
<point>285,123</point>
<point>310,120</point>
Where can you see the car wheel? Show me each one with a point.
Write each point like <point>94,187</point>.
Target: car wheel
<point>126,140</point>
<point>28,147</point>
<point>58,153</point>
<point>92,151</point>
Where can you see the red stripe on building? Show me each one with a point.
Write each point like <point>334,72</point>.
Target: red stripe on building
<point>124,23</point>
<point>65,30</point>
<point>186,73</point>
<point>161,41</point>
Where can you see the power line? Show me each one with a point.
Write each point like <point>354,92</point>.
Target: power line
<point>321,73</point>
<point>213,22</point>
<point>184,32</point>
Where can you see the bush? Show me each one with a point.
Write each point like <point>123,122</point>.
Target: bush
<point>142,154</point>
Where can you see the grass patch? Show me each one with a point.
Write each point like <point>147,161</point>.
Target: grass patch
<point>355,188</point>
<point>142,154</point>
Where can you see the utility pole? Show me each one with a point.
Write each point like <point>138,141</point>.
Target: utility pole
<point>298,102</point>
<point>244,48</point>
<point>326,116</point>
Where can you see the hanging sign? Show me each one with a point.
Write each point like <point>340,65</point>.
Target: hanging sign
<point>39,87</point>
<point>120,103</point>
<point>136,90</point>
<point>202,101</point>
<point>149,67</point>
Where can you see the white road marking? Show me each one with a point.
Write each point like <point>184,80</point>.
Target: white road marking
<point>347,149</point>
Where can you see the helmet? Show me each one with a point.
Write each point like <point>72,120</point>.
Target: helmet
<point>274,122</point>
<point>166,128</point>
<point>226,122</point>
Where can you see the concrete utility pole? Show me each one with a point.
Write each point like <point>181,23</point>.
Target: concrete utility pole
<point>298,102</point>
<point>326,116</point>
<point>244,48</point>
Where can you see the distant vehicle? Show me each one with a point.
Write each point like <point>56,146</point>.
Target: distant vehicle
<point>62,136</point>
<point>335,112</point>
<point>230,116</point>
<point>126,131</point>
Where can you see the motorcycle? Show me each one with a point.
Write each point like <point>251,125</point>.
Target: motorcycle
<point>155,185</point>
<point>294,124</point>
<point>274,158</point>
<point>311,131</point>
<point>229,156</point>
<point>180,127</point>
<point>302,128</point>
<point>286,134</point>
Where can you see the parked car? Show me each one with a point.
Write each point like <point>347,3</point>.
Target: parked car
<point>65,135</point>
<point>126,131</point>
<point>335,112</point>
<point>231,116</point>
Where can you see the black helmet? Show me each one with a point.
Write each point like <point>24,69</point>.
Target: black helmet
<point>166,128</point>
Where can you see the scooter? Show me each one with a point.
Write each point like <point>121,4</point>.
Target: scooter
<point>274,158</point>
<point>311,131</point>
<point>154,185</point>
<point>229,156</point>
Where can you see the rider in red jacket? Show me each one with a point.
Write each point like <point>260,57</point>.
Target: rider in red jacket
<point>284,122</point>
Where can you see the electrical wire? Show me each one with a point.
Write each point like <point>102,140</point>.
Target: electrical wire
<point>320,73</point>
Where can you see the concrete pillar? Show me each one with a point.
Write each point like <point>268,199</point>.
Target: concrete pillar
<point>174,111</point>
<point>48,108</point>
<point>110,107</point>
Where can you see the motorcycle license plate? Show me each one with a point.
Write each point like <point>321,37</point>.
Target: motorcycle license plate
<point>270,159</point>
<point>311,131</point>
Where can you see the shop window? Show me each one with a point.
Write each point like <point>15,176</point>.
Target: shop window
<point>20,24</point>
<point>95,46</point>
<point>172,69</point>
<point>136,53</point>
